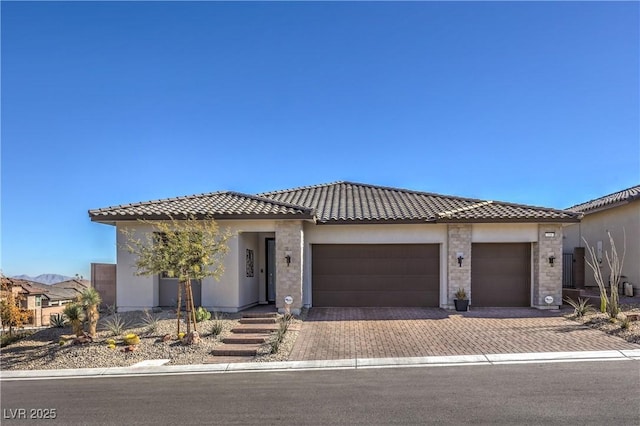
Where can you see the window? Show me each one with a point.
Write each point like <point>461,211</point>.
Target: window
<point>38,300</point>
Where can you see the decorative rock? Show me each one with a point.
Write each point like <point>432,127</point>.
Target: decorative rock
<point>192,338</point>
<point>130,348</point>
<point>166,338</point>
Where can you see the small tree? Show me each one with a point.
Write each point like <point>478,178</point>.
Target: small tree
<point>189,249</point>
<point>75,315</point>
<point>90,299</point>
<point>610,306</point>
<point>11,314</point>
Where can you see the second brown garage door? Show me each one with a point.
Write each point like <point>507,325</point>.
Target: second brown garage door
<point>501,275</point>
<point>375,275</point>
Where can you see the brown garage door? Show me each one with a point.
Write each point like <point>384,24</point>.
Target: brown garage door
<point>501,275</point>
<point>353,275</point>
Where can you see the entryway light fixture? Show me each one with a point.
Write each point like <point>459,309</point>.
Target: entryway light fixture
<point>460,257</point>
<point>551,259</point>
<point>287,257</point>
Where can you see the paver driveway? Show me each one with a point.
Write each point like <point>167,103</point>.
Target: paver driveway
<point>347,333</point>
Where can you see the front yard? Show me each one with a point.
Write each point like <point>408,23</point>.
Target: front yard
<point>629,331</point>
<point>53,348</point>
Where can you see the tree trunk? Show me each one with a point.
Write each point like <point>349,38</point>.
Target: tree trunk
<point>92,317</point>
<point>179,305</point>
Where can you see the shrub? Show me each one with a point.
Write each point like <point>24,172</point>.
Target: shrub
<point>110,342</point>
<point>111,309</point>
<point>116,325</point>
<point>218,324</point>
<point>90,299</point>
<point>150,320</point>
<point>580,307</point>
<point>75,315</point>
<point>461,294</point>
<point>202,314</point>
<point>7,339</point>
<point>57,320</point>
<point>181,335</point>
<point>131,339</point>
<point>626,323</point>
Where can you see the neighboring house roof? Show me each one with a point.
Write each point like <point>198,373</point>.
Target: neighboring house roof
<point>220,205</point>
<point>32,288</point>
<point>608,201</point>
<point>76,285</point>
<point>337,202</point>
<point>349,202</point>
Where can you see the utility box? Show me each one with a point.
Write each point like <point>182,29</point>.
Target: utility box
<point>628,289</point>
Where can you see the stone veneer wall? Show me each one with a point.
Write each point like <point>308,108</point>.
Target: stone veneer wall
<point>289,237</point>
<point>459,240</point>
<point>547,279</point>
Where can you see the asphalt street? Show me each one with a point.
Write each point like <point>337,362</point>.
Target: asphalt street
<point>586,393</point>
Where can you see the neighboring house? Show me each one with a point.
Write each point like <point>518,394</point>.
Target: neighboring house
<point>618,213</point>
<point>44,300</point>
<point>351,244</point>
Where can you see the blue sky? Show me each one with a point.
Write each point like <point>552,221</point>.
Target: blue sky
<point>111,103</point>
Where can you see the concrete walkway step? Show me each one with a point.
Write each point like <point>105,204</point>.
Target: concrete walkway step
<point>244,338</point>
<point>236,350</point>
<point>258,320</point>
<point>254,328</point>
<point>260,315</point>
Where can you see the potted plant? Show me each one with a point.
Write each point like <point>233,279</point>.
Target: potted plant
<point>461,301</point>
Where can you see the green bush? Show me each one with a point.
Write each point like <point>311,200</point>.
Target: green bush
<point>218,324</point>
<point>202,314</point>
<point>57,320</point>
<point>580,307</point>
<point>116,325</point>
<point>150,321</point>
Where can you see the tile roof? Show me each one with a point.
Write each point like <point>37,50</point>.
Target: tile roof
<point>349,202</point>
<point>608,201</point>
<point>34,288</point>
<point>223,204</point>
<point>337,202</point>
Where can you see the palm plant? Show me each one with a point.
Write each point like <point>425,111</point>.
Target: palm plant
<point>75,315</point>
<point>90,299</point>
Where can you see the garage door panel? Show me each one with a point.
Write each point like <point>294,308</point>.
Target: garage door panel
<point>376,298</point>
<point>376,275</point>
<point>501,274</point>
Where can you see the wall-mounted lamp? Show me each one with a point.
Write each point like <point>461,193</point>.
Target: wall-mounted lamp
<point>287,257</point>
<point>552,258</point>
<point>460,257</point>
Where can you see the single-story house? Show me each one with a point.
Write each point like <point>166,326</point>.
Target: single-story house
<point>617,213</point>
<point>348,244</point>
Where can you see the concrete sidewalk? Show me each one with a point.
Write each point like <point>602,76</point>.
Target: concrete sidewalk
<point>351,364</point>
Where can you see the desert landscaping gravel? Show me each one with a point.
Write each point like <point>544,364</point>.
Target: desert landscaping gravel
<point>42,350</point>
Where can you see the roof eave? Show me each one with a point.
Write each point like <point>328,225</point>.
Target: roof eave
<point>113,218</point>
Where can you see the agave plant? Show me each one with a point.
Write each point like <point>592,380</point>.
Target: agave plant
<point>75,315</point>
<point>90,299</point>
<point>57,320</point>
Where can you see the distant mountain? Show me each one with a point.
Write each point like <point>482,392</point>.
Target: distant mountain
<point>45,278</point>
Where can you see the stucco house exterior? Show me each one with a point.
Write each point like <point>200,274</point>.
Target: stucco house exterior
<point>353,244</point>
<point>618,213</point>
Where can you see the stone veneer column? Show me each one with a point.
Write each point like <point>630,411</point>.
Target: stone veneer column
<point>459,240</point>
<point>547,279</point>
<point>289,238</point>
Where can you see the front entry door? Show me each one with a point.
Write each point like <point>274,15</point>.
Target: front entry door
<point>271,270</point>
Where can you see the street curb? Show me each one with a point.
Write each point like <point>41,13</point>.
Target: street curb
<point>341,364</point>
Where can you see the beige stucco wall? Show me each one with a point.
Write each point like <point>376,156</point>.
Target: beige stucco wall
<point>231,291</point>
<point>234,290</point>
<point>620,220</point>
